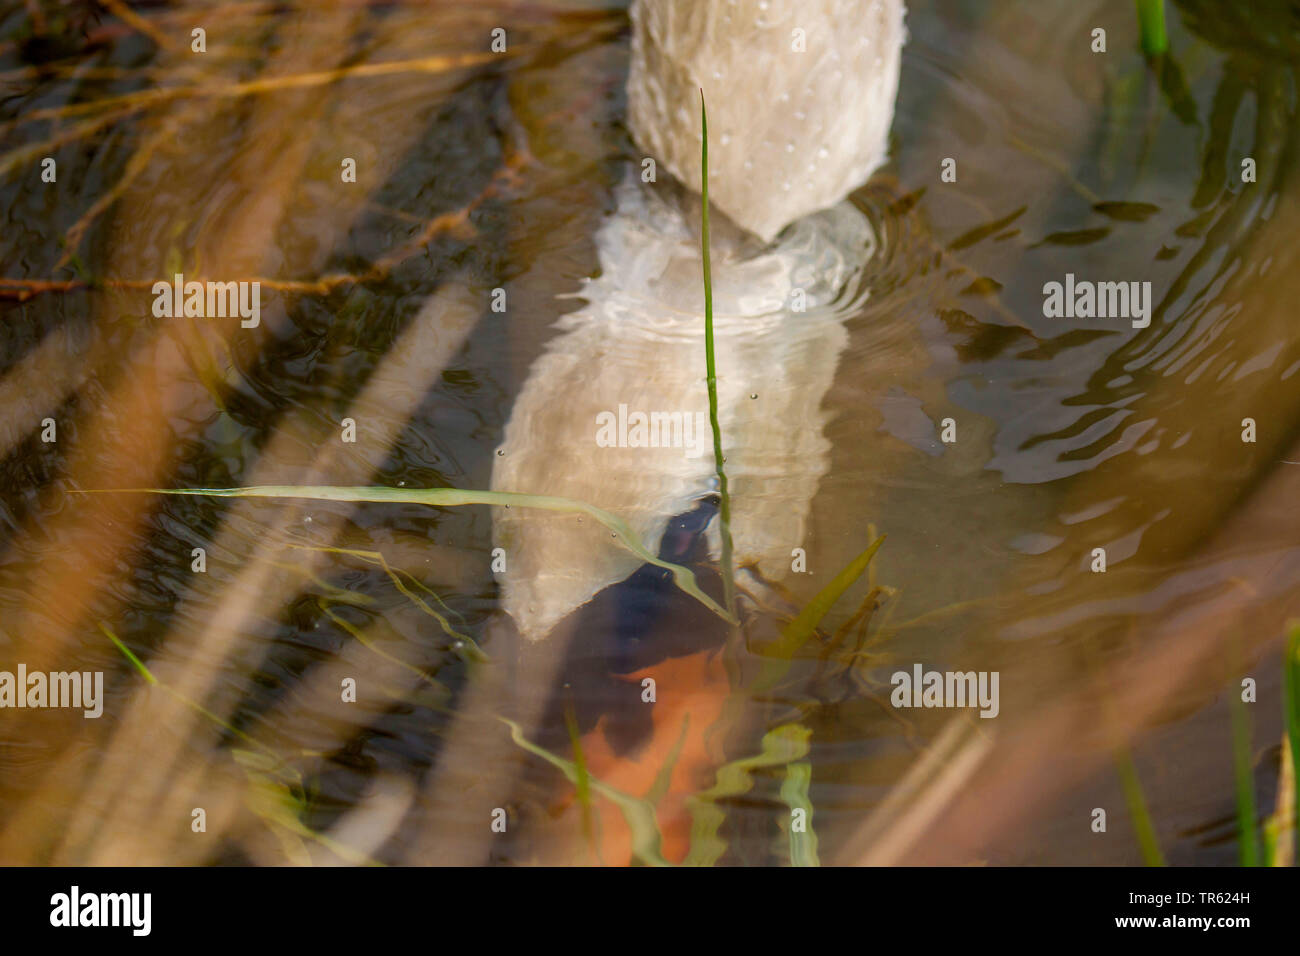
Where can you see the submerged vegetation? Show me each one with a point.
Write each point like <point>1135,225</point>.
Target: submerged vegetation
<point>622,535</point>
<point>228,677</point>
<point>1280,832</point>
<point>782,749</point>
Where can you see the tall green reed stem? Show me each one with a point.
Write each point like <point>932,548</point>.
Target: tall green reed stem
<point>1151,20</point>
<point>724,507</point>
<point>1143,828</point>
<point>1291,701</point>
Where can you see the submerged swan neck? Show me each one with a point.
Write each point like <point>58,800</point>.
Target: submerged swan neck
<point>800,94</point>
<point>650,266</point>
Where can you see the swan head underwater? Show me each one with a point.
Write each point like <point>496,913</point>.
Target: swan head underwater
<point>614,413</point>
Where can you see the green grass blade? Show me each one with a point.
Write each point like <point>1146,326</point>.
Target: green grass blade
<point>451,498</point>
<point>1151,21</point>
<point>272,782</point>
<point>780,746</point>
<point>444,694</point>
<point>710,359</point>
<point>396,575</point>
<point>1291,701</point>
<point>1278,828</point>
<point>469,648</point>
<point>331,593</point>
<point>1137,808</point>
<point>583,783</point>
<point>281,811</point>
<point>127,653</point>
<point>795,634</point>
<point>639,814</point>
<point>275,763</point>
<point>783,744</point>
<point>794,791</point>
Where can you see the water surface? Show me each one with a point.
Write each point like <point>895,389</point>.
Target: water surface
<point>480,172</point>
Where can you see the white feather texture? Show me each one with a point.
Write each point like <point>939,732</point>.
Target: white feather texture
<point>639,340</point>
<point>790,131</point>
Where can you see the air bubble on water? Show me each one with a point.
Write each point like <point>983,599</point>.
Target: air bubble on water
<point>501,452</point>
<point>823,153</point>
<point>753,394</point>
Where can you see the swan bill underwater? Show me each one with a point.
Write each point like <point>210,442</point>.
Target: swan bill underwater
<point>788,266</point>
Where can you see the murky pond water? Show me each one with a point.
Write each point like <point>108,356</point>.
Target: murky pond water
<point>422,213</point>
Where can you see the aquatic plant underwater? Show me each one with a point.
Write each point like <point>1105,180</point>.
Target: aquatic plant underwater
<point>396,642</point>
